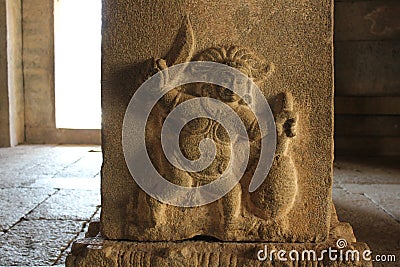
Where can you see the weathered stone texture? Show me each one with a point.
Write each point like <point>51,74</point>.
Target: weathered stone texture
<point>97,252</point>
<point>290,36</point>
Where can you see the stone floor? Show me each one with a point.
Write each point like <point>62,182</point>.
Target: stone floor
<point>366,194</point>
<point>48,194</point>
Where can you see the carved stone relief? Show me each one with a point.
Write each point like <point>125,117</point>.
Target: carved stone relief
<point>239,215</point>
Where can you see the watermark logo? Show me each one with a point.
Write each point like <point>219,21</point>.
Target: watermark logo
<point>340,253</point>
<point>341,243</point>
<point>232,87</point>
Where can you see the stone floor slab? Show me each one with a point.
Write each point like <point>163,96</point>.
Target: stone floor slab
<point>42,160</point>
<point>386,196</point>
<point>19,180</point>
<point>371,224</point>
<point>69,183</point>
<point>18,202</point>
<point>37,242</point>
<point>82,234</point>
<point>383,170</point>
<point>68,205</point>
<point>86,167</point>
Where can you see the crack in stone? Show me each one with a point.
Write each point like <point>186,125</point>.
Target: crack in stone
<point>23,218</point>
<point>67,166</point>
<point>381,207</point>
<point>84,224</point>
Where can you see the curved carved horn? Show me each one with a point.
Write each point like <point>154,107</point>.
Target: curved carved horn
<point>183,46</point>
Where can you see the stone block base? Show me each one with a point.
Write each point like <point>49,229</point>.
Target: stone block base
<point>340,249</point>
<point>98,252</point>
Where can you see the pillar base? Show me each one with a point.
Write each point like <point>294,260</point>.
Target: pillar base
<point>98,252</point>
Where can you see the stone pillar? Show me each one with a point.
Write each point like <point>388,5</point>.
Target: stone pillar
<point>285,48</point>
<point>12,122</point>
<point>4,102</point>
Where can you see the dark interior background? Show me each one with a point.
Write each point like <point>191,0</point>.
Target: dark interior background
<point>367,77</point>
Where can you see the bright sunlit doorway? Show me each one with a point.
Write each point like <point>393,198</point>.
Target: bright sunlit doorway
<point>77,42</point>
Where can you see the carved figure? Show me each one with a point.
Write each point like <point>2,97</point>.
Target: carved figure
<point>276,196</point>
<point>198,129</point>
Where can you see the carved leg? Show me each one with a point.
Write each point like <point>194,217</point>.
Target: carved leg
<point>157,208</point>
<point>157,211</point>
<point>231,205</point>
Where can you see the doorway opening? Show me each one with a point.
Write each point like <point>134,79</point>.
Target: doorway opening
<point>77,48</point>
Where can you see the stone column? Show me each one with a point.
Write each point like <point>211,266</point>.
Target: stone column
<point>12,131</point>
<point>285,48</point>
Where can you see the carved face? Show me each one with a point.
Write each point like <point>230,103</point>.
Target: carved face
<point>241,59</point>
<point>230,81</point>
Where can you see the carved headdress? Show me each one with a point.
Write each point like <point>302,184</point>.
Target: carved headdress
<point>237,57</point>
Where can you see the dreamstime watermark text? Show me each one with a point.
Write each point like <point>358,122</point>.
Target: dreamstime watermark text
<point>339,253</point>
